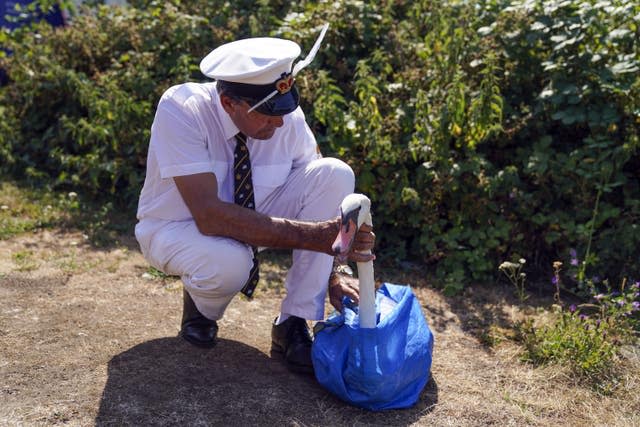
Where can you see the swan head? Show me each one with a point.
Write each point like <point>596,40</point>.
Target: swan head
<point>354,211</point>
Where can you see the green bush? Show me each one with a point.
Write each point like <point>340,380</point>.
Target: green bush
<point>81,100</point>
<point>587,338</point>
<point>481,131</point>
<point>587,346</point>
<point>573,126</point>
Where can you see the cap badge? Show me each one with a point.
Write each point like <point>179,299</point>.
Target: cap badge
<point>285,84</point>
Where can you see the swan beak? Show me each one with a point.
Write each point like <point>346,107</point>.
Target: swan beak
<point>348,228</point>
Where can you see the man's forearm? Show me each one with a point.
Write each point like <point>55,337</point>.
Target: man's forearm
<point>246,225</point>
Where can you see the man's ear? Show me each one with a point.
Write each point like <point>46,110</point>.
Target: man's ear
<point>228,103</point>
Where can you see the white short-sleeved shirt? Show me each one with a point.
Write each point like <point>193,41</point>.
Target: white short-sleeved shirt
<point>191,133</point>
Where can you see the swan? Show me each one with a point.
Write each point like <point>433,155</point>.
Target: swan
<point>355,210</point>
<point>372,364</point>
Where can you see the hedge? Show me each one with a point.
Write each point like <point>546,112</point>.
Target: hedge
<point>482,131</point>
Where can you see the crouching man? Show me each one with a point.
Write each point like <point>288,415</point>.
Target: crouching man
<point>233,167</point>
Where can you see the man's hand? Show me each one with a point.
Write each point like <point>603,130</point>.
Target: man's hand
<point>341,285</point>
<point>363,244</point>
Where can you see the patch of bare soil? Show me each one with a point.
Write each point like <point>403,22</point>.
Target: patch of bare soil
<point>87,338</point>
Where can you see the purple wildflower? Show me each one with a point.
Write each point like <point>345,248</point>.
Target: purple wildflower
<point>620,303</point>
<point>583,317</point>
<point>635,306</point>
<point>598,323</point>
<point>572,308</point>
<point>596,279</point>
<point>574,257</point>
<point>554,280</point>
<point>636,285</point>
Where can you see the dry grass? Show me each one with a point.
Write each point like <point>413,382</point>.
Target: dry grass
<point>85,339</point>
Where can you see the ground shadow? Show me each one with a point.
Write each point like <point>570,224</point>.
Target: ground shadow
<point>492,313</point>
<point>481,309</point>
<point>169,382</point>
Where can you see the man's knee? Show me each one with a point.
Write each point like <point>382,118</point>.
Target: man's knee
<point>335,174</point>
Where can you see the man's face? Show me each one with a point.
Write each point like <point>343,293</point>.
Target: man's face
<point>254,124</point>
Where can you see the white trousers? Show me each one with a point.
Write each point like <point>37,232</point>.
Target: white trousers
<point>214,269</point>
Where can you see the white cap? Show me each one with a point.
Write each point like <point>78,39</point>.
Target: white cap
<point>261,69</point>
<point>256,61</point>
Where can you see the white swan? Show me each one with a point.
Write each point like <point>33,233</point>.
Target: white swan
<point>355,211</point>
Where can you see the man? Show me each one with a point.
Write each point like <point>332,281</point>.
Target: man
<point>202,218</point>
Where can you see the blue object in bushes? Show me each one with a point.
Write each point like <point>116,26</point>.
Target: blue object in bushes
<point>385,367</point>
<point>11,19</point>
<point>17,19</point>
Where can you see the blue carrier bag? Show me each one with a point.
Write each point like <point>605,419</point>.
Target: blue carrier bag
<point>385,367</point>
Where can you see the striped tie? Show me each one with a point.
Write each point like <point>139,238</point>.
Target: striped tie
<point>243,196</point>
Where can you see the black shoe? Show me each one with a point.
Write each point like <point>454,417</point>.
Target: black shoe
<point>292,339</point>
<point>196,328</point>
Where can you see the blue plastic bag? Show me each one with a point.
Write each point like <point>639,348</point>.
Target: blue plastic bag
<point>385,367</point>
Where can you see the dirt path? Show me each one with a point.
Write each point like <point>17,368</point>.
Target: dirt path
<point>86,338</point>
